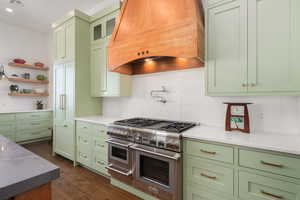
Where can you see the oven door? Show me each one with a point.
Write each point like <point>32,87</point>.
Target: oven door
<point>119,157</point>
<point>157,172</point>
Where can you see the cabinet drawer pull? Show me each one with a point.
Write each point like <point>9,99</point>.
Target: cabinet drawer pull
<point>36,133</point>
<point>271,164</point>
<point>65,126</point>
<point>208,152</point>
<point>271,195</point>
<point>253,85</point>
<point>100,163</point>
<point>35,124</point>
<point>207,176</point>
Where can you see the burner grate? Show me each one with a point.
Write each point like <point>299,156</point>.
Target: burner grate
<point>177,127</point>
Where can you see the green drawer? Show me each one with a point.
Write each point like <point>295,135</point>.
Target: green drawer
<point>84,142</point>
<point>197,193</point>
<point>33,125</point>
<point>210,175</point>
<point>83,127</point>
<point>84,157</point>
<point>99,163</point>
<point>254,187</point>
<point>283,165</point>
<point>7,118</point>
<point>32,135</point>
<point>100,132</point>
<point>209,151</point>
<point>100,145</point>
<point>7,127</point>
<point>34,116</point>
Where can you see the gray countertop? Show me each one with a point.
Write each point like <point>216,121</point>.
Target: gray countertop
<point>22,170</point>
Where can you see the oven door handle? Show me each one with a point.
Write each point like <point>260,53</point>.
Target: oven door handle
<point>117,143</point>
<point>110,167</point>
<point>175,157</point>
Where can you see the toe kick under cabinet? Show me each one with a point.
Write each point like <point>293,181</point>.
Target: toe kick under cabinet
<point>214,171</point>
<point>91,146</point>
<point>26,127</point>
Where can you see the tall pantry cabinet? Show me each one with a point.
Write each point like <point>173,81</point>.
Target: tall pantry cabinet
<point>71,80</point>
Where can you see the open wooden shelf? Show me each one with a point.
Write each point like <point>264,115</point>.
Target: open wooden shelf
<point>22,80</point>
<point>28,95</point>
<point>28,66</point>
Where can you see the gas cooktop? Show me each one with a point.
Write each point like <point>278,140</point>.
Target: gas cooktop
<point>162,125</point>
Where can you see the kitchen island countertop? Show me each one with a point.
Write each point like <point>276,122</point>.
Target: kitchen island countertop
<point>22,170</point>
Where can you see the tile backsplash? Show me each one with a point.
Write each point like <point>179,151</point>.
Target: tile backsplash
<point>187,101</point>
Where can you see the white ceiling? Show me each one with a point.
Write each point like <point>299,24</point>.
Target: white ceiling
<point>39,14</point>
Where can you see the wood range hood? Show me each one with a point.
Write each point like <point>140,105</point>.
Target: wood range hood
<point>157,35</point>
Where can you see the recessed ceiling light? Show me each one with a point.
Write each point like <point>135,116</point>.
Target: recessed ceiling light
<point>9,10</point>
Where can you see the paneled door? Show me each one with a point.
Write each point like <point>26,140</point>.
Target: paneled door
<point>274,45</point>
<point>227,48</point>
<point>99,68</point>
<point>60,91</point>
<point>60,42</point>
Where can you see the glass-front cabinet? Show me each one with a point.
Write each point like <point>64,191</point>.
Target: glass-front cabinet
<point>103,82</point>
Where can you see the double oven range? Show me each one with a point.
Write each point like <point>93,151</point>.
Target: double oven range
<point>147,154</point>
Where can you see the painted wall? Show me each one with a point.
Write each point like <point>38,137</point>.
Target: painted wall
<point>187,101</point>
<point>16,42</point>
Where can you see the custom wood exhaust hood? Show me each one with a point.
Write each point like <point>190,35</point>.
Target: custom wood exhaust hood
<point>157,35</point>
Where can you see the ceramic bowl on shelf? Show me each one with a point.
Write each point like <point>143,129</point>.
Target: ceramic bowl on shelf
<point>19,61</point>
<point>27,91</point>
<point>40,90</point>
<point>39,64</point>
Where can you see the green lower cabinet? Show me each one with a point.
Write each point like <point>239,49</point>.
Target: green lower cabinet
<point>64,140</point>
<point>210,176</point>
<point>253,175</point>
<point>195,193</point>
<point>26,127</point>
<point>91,146</point>
<point>255,187</point>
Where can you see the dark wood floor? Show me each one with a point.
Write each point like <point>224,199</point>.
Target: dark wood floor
<point>78,183</point>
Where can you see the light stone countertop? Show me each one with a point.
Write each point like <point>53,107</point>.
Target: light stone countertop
<point>24,111</point>
<point>280,142</point>
<point>98,119</point>
<point>283,142</point>
<point>22,170</point>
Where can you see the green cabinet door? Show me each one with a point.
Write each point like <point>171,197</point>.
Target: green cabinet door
<point>99,68</point>
<point>103,82</point>
<point>227,48</point>
<point>64,42</point>
<point>59,92</point>
<point>274,45</point>
<point>60,43</point>
<point>64,142</point>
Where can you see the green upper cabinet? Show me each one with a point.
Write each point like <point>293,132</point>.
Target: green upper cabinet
<point>64,42</point>
<point>274,45</point>
<point>226,49</point>
<point>103,82</point>
<point>252,48</point>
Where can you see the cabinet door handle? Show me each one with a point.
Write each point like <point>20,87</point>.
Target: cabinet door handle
<point>271,164</point>
<point>271,195</point>
<point>208,152</point>
<point>63,101</point>
<point>60,102</point>
<point>65,126</point>
<point>207,176</point>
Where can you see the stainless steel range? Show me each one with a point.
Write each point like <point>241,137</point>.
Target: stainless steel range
<point>147,154</point>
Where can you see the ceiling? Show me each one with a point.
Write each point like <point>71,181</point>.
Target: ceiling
<point>39,14</point>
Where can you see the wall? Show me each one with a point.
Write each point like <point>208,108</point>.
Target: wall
<point>187,101</point>
<point>32,46</point>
